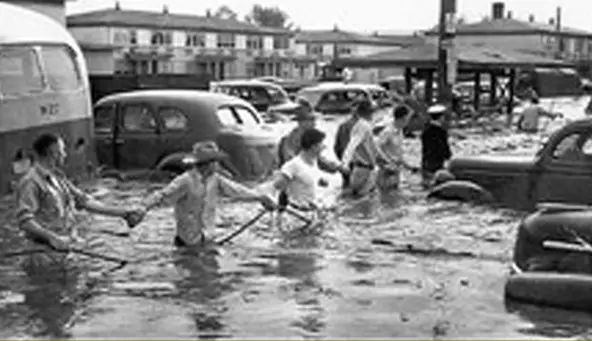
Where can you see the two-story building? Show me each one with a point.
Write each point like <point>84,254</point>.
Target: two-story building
<point>502,29</point>
<point>326,45</point>
<point>142,42</point>
<point>55,9</point>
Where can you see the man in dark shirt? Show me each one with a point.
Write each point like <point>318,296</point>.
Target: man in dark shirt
<point>435,150</point>
<point>342,139</point>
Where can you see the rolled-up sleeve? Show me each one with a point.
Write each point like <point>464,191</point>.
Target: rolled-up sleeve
<point>27,201</point>
<point>173,191</point>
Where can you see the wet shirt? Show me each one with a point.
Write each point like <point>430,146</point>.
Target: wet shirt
<point>195,199</point>
<point>390,141</point>
<point>50,199</point>
<point>435,149</point>
<point>303,179</point>
<point>361,148</point>
<point>343,136</point>
<point>530,118</point>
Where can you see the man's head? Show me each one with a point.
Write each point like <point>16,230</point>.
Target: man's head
<point>206,156</point>
<point>400,116</point>
<point>311,141</point>
<point>436,112</point>
<point>364,109</point>
<point>51,149</point>
<point>305,115</point>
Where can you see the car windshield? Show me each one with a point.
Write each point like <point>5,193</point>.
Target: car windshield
<point>277,95</point>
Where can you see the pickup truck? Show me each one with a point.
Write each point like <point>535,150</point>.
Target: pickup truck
<point>560,172</point>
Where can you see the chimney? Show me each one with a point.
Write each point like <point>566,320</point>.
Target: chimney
<point>551,21</point>
<point>531,18</point>
<point>165,9</point>
<point>335,28</point>
<point>208,13</point>
<point>497,10</point>
<point>117,6</point>
<point>509,16</point>
<point>558,19</point>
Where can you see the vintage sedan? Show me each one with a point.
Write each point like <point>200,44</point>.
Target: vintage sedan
<point>155,129</point>
<point>264,96</point>
<point>561,171</point>
<point>339,97</point>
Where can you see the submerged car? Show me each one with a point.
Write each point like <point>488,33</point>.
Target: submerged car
<point>339,97</point>
<point>263,96</point>
<point>156,129</point>
<point>561,171</point>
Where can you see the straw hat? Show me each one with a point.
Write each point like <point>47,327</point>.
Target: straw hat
<point>206,151</point>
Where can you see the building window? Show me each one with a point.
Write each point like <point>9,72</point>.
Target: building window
<point>157,38</point>
<point>168,38</point>
<point>281,43</point>
<point>254,42</point>
<point>314,49</point>
<point>195,39</point>
<point>226,40</point>
<point>344,50</point>
<point>133,37</point>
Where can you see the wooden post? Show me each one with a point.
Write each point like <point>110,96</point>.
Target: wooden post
<point>477,90</point>
<point>429,86</point>
<point>408,80</point>
<point>511,86</point>
<point>493,90</point>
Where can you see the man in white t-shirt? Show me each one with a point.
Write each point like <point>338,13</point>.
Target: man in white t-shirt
<point>300,176</point>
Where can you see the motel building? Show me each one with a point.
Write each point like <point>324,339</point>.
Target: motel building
<point>118,41</point>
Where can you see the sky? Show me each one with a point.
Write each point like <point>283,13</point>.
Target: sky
<point>395,16</point>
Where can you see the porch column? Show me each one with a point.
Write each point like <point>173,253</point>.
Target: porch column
<point>511,86</point>
<point>429,86</point>
<point>493,90</point>
<point>408,80</point>
<point>477,90</point>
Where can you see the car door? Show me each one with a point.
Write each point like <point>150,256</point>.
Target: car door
<point>138,138</point>
<point>105,118</point>
<point>174,134</point>
<point>566,170</point>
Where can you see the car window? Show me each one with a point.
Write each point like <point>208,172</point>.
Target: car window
<point>247,117</point>
<point>20,72</point>
<point>587,146</point>
<point>567,148</point>
<point>138,118</point>
<point>104,117</point>
<point>259,95</point>
<point>352,96</point>
<point>277,95</point>
<point>331,97</point>
<point>173,118</point>
<point>60,67</point>
<point>227,116</point>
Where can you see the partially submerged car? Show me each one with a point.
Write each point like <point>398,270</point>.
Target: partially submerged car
<point>339,97</point>
<point>263,96</point>
<point>561,171</point>
<point>156,129</point>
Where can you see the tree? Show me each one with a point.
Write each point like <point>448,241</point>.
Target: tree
<point>271,16</point>
<point>225,12</point>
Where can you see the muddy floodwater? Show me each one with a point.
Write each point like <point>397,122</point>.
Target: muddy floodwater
<point>391,266</point>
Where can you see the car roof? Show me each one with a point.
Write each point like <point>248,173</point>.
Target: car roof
<point>203,98</point>
<point>329,86</point>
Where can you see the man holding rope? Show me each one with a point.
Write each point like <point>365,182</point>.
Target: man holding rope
<point>46,205</point>
<point>195,195</point>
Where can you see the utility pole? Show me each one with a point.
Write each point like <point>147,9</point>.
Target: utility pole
<point>445,50</point>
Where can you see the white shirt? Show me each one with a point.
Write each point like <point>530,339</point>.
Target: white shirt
<point>304,178</point>
<point>390,141</point>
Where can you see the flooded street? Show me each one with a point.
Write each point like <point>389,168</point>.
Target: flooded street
<point>391,266</point>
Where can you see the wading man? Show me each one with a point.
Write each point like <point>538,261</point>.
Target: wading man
<point>195,195</point>
<point>435,148</point>
<point>46,205</point>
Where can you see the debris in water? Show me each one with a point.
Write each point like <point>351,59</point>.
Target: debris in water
<point>464,282</point>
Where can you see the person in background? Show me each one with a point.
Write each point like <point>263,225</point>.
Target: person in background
<point>390,141</point>
<point>342,138</point>
<point>435,148</point>
<point>195,195</point>
<point>529,119</point>
<point>362,153</point>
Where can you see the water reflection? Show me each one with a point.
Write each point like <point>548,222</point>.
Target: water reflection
<point>203,285</point>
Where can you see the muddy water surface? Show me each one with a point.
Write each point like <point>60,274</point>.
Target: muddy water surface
<point>353,278</point>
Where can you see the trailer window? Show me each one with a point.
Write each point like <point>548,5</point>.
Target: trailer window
<point>60,68</point>
<point>20,72</point>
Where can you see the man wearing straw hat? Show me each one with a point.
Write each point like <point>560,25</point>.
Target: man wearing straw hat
<point>195,195</point>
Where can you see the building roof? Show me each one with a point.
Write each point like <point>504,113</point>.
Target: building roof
<point>468,55</point>
<point>134,18</point>
<point>511,26</point>
<point>344,37</point>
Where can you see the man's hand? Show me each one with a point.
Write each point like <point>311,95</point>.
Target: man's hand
<point>268,202</point>
<point>60,243</point>
<point>134,216</point>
